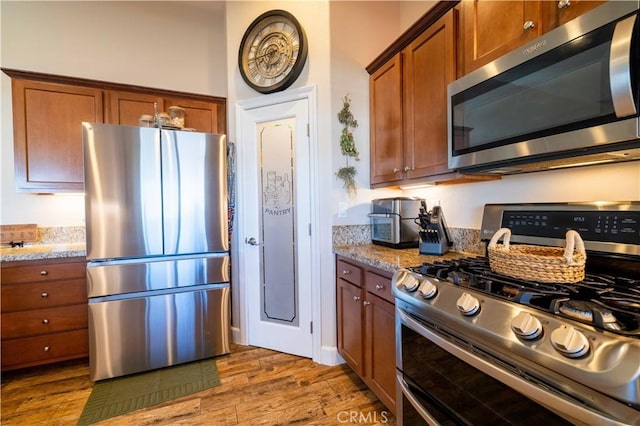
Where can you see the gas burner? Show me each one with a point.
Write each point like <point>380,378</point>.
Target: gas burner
<point>586,311</point>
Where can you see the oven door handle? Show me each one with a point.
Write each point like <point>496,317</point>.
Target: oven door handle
<point>620,68</point>
<point>406,392</point>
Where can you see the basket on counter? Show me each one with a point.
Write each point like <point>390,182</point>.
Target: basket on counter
<point>538,263</point>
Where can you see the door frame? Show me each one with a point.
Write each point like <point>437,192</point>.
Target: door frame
<point>242,113</point>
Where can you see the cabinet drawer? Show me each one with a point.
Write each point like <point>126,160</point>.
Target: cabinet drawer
<point>43,272</point>
<point>42,349</point>
<point>44,321</point>
<point>349,272</point>
<point>43,294</point>
<point>379,285</point>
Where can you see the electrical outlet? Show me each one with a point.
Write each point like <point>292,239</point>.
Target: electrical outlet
<point>342,209</point>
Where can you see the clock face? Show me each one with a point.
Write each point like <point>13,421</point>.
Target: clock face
<point>272,52</point>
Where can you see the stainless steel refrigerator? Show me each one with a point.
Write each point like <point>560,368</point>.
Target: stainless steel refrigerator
<point>157,247</point>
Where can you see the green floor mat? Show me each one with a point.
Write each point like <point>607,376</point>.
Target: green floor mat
<point>113,397</point>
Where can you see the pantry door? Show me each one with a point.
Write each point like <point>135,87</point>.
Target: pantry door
<point>276,265</point>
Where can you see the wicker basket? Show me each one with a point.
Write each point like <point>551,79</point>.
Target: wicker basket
<point>538,263</point>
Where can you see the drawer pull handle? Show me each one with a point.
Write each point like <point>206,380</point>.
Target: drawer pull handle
<point>356,298</point>
<point>346,272</point>
<point>46,348</point>
<point>366,303</point>
<point>44,294</point>
<point>45,321</point>
<point>43,273</point>
<point>379,287</point>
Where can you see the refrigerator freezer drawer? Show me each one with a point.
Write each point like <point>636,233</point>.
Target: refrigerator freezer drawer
<point>121,277</point>
<point>144,333</point>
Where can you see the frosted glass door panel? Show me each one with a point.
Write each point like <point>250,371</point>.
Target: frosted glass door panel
<point>279,299</point>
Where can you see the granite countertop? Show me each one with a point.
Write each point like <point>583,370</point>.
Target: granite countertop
<point>390,259</point>
<point>42,251</point>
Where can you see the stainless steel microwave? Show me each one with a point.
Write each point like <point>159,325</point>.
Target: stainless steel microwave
<point>568,98</point>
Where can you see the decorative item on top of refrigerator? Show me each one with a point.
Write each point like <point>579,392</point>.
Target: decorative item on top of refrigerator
<point>434,236</point>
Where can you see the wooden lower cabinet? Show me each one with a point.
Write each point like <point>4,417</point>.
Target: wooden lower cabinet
<point>44,315</point>
<point>366,326</point>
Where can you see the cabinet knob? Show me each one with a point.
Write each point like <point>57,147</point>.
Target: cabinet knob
<point>366,303</point>
<point>396,170</point>
<point>563,3</point>
<point>46,348</point>
<point>45,321</point>
<point>44,294</point>
<point>356,298</point>
<point>529,25</point>
<point>407,168</point>
<point>379,287</point>
<point>43,273</point>
<point>346,272</point>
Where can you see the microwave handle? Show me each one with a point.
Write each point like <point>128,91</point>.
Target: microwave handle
<point>620,68</point>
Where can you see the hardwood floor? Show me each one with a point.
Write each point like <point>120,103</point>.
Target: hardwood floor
<point>259,387</point>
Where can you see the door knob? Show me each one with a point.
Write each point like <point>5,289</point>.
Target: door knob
<point>251,241</point>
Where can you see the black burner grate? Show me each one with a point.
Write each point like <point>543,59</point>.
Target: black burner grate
<point>604,301</point>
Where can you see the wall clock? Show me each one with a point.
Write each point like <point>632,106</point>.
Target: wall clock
<point>273,51</point>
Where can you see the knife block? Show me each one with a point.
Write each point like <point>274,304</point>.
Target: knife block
<point>438,248</point>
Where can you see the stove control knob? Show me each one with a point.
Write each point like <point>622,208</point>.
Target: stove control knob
<point>570,342</point>
<point>428,288</point>
<point>526,326</point>
<point>468,305</point>
<point>403,279</point>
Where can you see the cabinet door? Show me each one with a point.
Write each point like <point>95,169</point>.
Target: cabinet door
<point>490,29</point>
<point>205,117</point>
<point>350,339</point>
<point>48,134</point>
<point>385,91</point>
<point>560,12</point>
<point>429,66</point>
<point>126,108</point>
<point>380,356</point>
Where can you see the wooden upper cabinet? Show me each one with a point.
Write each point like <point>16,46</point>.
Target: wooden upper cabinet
<point>47,129</point>
<point>385,97</point>
<point>126,107</point>
<point>560,12</point>
<point>48,111</point>
<point>205,117</point>
<point>429,66</point>
<point>408,108</point>
<point>490,29</point>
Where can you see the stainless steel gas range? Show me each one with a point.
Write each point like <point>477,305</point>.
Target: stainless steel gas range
<point>477,348</point>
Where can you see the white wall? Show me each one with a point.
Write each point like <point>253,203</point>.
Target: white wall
<point>360,32</point>
<point>462,204</point>
<point>155,44</point>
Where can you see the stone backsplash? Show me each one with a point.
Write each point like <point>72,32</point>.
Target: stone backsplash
<point>464,240</point>
<point>60,235</point>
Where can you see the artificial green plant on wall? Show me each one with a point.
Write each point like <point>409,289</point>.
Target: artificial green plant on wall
<point>348,148</point>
